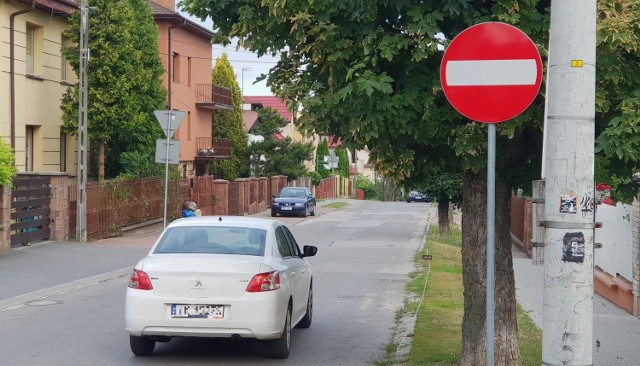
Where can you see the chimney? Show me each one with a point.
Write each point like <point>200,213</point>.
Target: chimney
<point>168,4</point>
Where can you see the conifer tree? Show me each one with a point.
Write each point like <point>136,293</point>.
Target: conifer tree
<point>229,124</point>
<point>277,157</point>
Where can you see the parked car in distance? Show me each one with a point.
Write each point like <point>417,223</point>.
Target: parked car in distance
<point>222,277</point>
<point>294,201</point>
<point>415,196</point>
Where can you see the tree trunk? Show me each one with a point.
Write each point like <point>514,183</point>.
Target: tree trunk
<point>101,161</point>
<point>443,216</point>
<point>474,240</point>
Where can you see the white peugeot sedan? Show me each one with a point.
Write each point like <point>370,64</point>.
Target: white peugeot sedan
<point>229,276</point>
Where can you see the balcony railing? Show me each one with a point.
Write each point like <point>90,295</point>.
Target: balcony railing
<point>213,148</point>
<point>213,97</point>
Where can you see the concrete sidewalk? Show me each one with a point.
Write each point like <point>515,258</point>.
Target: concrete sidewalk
<point>617,330</point>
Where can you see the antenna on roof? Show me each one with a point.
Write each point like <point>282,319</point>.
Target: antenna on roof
<point>220,218</point>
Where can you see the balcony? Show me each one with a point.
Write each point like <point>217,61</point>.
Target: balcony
<point>212,148</point>
<point>213,97</point>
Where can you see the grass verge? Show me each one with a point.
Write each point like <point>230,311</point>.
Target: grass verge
<point>336,205</point>
<point>437,336</point>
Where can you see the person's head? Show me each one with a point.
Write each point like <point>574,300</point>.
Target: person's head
<point>187,205</point>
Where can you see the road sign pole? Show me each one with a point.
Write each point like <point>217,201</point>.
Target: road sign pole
<point>490,73</point>
<point>166,171</point>
<point>491,254</point>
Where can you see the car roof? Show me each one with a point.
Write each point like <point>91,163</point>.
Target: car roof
<point>217,220</point>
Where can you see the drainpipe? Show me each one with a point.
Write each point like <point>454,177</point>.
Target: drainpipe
<point>169,64</point>
<point>12,76</point>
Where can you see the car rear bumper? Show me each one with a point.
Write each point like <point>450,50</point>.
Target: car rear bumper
<point>255,315</point>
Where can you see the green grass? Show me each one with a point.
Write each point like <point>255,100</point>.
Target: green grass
<point>336,205</point>
<point>437,337</point>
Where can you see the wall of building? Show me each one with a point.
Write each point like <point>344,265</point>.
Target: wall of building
<point>193,67</point>
<point>37,95</point>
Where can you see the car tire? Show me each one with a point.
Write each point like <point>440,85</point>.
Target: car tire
<point>305,322</point>
<point>313,213</point>
<point>279,348</point>
<point>141,346</point>
<point>306,211</point>
<point>273,214</point>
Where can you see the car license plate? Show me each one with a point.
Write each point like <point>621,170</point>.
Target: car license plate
<point>286,208</point>
<point>197,311</point>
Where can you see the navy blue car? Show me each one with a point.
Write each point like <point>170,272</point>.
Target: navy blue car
<point>294,201</point>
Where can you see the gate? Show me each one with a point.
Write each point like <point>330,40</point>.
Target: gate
<point>30,200</point>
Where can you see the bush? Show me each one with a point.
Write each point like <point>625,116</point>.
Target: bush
<point>7,165</point>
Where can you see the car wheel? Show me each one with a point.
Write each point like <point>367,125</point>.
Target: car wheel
<point>141,346</point>
<point>305,322</point>
<point>313,212</point>
<point>306,211</point>
<point>273,214</point>
<point>279,348</point>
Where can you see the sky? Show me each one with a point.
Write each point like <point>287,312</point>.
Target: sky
<point>253,65</point>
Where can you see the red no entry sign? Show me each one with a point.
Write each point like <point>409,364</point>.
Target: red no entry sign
<point>491,72</point>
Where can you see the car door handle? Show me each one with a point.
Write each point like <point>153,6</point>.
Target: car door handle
<point>293,274</point>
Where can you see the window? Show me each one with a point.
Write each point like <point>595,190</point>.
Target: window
<point>189,71</point>
<point>283,243</point>
<point>63,151</point>
<point>34,41</point>
<point>65,69</point>
<point>176,67</point>
<point>30,49</point>
<point>292,242</point>
<point>213,240</point>
<point>29,148</point>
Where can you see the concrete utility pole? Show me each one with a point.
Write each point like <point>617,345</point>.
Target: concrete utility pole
<point>81,212</point>
<point>569,190</point>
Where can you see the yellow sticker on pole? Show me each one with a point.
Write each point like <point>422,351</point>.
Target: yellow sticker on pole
<point>576,63</point>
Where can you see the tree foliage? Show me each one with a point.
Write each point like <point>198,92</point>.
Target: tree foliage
<point>343,161</point>
<point>321,152</point>
<point>229,124</point>
<point>277,157</point>
<point>618,95</point>
<point>7,164</point>
<point>124,79</point>
<point>368,72</point>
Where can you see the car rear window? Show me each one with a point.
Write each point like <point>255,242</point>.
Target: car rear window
<point>213,240</point>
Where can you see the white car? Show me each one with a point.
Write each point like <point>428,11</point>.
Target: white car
<point>221,276</point>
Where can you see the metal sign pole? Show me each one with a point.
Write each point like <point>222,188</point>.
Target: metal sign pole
<point>491,224</point>
<point>166,168</point>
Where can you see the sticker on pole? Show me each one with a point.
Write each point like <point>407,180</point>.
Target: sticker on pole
<point>491,72</point>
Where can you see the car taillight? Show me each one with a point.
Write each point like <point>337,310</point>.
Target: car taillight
<point>140,280</point>
<point>267,281</point>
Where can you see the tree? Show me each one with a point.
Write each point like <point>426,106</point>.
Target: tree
<point>7,164</point>
<point>229,124</point>
<point>618,96</point>
<point>277,157</point>
<point>446,188</point>
<point>321,152</point>
<point>368,72</point>
<point>124,79</point>
<point>343,161</point>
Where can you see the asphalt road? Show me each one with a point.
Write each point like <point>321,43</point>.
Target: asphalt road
<point>62,303</point>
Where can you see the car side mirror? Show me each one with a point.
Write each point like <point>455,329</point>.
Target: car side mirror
<point>309,251</point>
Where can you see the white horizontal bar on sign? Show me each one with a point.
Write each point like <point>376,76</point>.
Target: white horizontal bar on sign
<point>491,72</point>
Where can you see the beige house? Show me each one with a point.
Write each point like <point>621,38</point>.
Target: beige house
<point>34,75</point>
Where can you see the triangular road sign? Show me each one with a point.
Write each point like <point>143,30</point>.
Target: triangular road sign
<point>169,120</point>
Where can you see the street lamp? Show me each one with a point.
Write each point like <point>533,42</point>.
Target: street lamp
<point>242,81</point>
